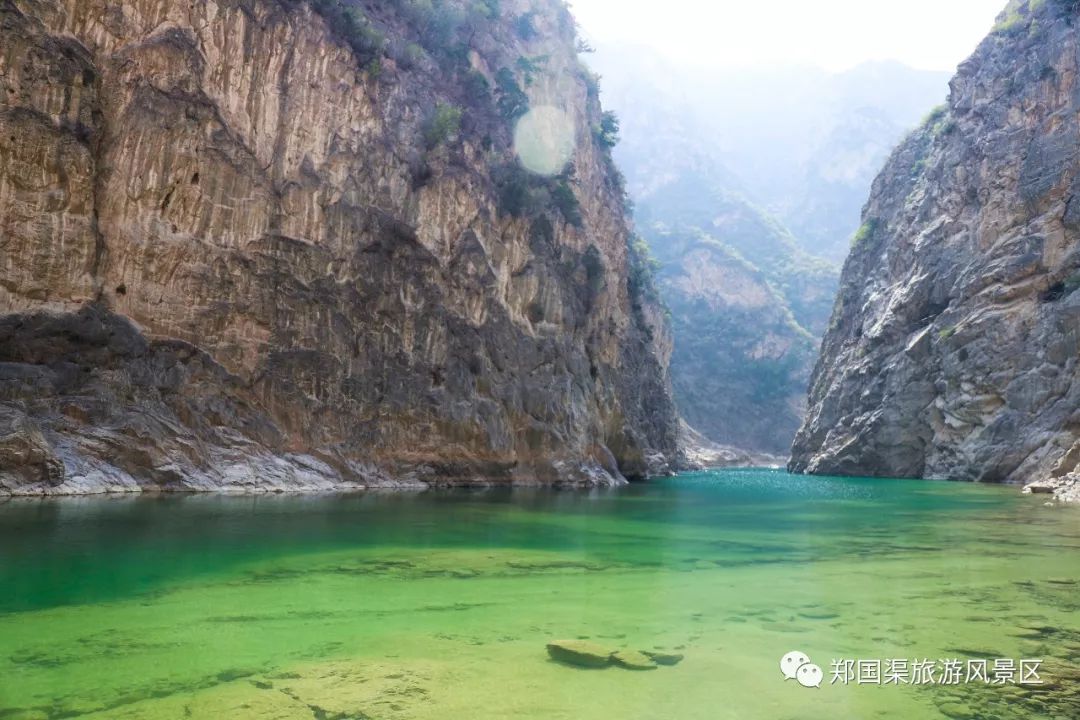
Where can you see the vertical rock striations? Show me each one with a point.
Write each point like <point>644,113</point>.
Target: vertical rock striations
<point>281,244</point>
<point>955,340</point>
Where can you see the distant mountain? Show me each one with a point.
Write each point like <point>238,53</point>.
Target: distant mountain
<point>802,143</point>
<point>747,305</point>
<point>748,188</point>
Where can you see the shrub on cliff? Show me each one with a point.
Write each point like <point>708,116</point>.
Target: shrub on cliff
<point>350,22</point>
<point>530,67</point>
<point>565,200</point>
<point>607,132</point>
<point>408,56</point>
<point>865,231</point>
<point>444,124</point>
<point>476,86</point>
<point>643,268</point>
<point>436,21</point>
<point>512,100</point>
<point>524,26</point>
<point>523,194</point>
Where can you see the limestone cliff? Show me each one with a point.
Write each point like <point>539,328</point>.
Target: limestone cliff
<point>286,244</point>
<point>954,350</point>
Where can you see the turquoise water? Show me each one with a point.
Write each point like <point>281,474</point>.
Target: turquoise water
<point>439,604</point>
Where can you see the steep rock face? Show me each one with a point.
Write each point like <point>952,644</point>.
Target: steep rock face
<point>955,340</point>
<point>236,254</point>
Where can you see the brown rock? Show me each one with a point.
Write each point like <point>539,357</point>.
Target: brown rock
<point>247,265</point>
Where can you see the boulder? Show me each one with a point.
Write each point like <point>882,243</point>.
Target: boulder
<point>663,658</point>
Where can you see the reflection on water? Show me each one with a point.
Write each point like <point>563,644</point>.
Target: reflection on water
<point>440,604</point>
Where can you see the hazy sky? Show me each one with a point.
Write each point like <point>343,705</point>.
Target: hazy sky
<point>835,34</point>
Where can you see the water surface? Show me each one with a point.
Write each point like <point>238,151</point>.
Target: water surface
<point>439,604</point>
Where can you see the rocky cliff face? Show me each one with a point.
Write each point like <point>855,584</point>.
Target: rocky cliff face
<point>955,340</point>
<point>281,244</point>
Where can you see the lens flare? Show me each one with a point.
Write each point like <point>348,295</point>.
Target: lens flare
<point>544,140</point>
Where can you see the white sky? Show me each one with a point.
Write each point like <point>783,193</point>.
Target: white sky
<point>834,34</point>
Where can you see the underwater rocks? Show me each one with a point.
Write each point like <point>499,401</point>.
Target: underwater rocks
<point>587,654</point>
<point>632,660</point>
<point>664,658</point>
<point>1057,698</point>
<point>581,653</point>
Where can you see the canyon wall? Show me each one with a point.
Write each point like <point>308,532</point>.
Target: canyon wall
<point>955,340</point>
<point>259,244</point>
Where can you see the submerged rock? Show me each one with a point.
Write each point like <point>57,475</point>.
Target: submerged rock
<point>958,711</point>
<point>633,660</point>
<point>664,658</point>
<point>582,653</point>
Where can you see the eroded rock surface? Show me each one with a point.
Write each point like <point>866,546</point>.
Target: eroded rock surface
<point>235,255</point>
<point>955,341</point>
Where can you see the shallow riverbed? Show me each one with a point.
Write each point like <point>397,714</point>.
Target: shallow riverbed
<point>439,604</point>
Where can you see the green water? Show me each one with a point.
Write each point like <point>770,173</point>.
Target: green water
<point>439,604</point>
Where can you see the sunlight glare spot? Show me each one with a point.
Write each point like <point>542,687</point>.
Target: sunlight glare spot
<point>544,140</point>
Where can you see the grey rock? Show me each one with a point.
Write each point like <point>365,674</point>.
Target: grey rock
<point>661,657</point>
<point>954,347</point>
<point>703,454</point>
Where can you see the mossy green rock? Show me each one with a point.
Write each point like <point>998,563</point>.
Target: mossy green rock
<point>959,711</point>
<point>633,660</point>
<point>663,658</point>
<point>581,653</point>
